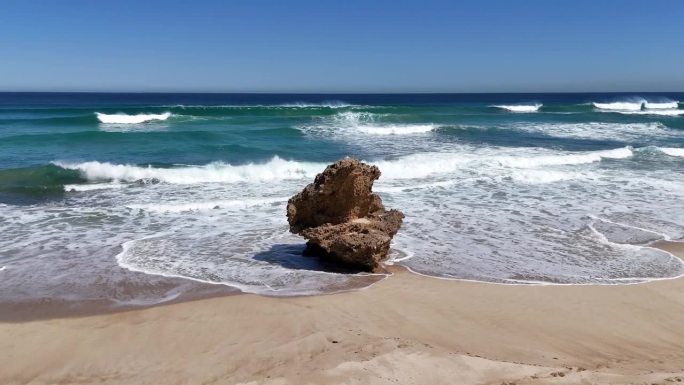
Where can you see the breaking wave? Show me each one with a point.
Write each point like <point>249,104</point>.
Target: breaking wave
<point>216,172</point>
<point>601,130</point>
<point>92,186</point>
<point>417,166</point>
<point>679,152</point>
<point>621,106</point>
<point>661,112</point>
<point>332,104</point>
<point>413,166</point>
<point>354,123</point>
<point>641,106</point>
<point>520,107</point>
<point>394,129</point>
<point>671,104</point>
<point>130,119</point>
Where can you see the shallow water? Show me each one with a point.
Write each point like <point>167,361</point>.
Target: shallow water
<point>100,191</point>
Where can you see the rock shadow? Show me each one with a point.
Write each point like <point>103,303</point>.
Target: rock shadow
<point>298,257</point>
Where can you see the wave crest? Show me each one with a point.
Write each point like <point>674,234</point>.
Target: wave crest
<point>641,106</point>
<point>217,172</point>
<point>329,104</point>
<point>671,104</point>
<point>620,106</point>
<point>353,123</point>
<point>415,166</point>
<point>332,104</point>
<point>673,151</point>
<point>663,112</point>
<point>520,107</point>
<point>130,119</point>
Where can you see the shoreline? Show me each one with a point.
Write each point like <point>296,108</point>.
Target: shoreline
<point>45,309</point>
<point>405,329</point>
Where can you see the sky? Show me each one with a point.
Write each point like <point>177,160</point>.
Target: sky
<point>342,46</point>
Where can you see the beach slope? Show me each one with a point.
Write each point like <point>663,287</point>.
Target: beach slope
<point>406,329</point>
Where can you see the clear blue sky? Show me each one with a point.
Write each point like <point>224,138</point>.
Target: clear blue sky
<point>342,45</point>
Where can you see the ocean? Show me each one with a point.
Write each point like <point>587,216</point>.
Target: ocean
<point>124,197</point>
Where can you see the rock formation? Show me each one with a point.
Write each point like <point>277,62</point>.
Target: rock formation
<point>341,217</point>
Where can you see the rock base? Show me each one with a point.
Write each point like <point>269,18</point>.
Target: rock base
<point>341,217</point>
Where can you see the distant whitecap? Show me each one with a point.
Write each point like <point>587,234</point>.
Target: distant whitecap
<point>130,119</point>
<point>520,107</point>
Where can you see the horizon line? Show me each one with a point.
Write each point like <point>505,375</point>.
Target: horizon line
<point>335,93</point>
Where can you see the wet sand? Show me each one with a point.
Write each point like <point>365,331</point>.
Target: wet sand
<point>406,329</point>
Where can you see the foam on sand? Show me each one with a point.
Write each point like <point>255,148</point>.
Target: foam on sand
<point>234,232</point>
<point>520,107</point>
<point>130,119</point>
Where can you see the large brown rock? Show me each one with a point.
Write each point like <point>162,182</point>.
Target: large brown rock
<point>341,217</point>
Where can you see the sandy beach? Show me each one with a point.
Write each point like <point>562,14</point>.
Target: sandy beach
<point>406,329</point>
<point>332,193</point>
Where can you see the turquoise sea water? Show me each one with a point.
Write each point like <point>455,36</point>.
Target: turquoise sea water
<point>100,191</point>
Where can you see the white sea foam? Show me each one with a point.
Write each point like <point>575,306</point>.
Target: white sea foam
<point>130,119</point>
<point>3,268</point>
<point>333,104</point>
<point>349,124</point>
<point>204,206</point>
<point>564,159</point>
<point>207,263</point>
<point>670,104</point>
<point>417,166</point>
<point>630,105</point>
<point>543,176</point>
<point>672,112</point>
<point>421,165</point>
<point>520,107</point>
<point>679,152</point>
<point>516,215</point>
<point>394,129</point>
<point>640,106</point>
<point>600,130</point>
<point>352,122</point>
<point>92,187</point>
<point>329,104</point>
<point>275,169</point>
<point>407,167</point>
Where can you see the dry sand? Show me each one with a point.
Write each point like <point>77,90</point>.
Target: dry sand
<point>406,329</point>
